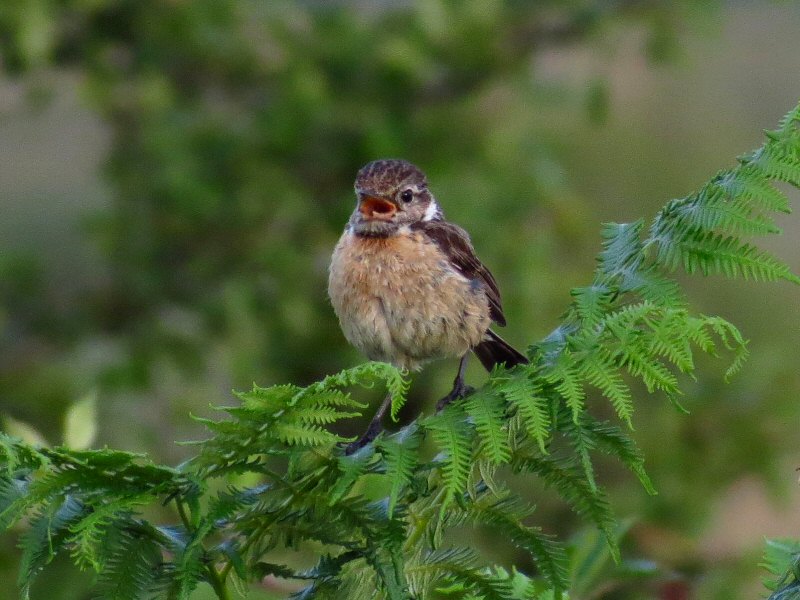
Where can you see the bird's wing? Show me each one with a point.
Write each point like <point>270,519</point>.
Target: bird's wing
<point>455,244</point>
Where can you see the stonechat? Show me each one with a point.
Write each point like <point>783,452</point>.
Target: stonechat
<point>407,286</point>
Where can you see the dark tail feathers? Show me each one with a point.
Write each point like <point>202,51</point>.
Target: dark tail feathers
<point>494,350</point>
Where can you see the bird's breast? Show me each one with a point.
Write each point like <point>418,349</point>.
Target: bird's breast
<point>398,299</point>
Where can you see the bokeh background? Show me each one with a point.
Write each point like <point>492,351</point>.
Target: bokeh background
<point>174,175</point>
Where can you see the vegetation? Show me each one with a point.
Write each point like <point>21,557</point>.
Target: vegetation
<point>381,520</point>
<point>229,132</point>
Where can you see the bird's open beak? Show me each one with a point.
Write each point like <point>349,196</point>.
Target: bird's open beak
<point>371,207</point>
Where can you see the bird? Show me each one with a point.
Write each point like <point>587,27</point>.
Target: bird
<point>407,287</point>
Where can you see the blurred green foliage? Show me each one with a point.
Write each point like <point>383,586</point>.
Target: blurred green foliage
<point>236,128</point>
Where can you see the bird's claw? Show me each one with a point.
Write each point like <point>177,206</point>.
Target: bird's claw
<point>460,390</point>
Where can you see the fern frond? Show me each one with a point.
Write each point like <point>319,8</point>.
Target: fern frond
<point>710,252</point>
<point>532,406</point>
<point>600,371</point>
<point>487,411</point>
<point>573,487</point>
<point>87,537</point>
<point>622,246</point>
<point>430,567</point>
<point>652,286</point>
<point>321,415</point>
<point>188,567</point>
<point>351,468</point>
<point>505,517</point>
<point>298,434</point>
<point>477,584</point>
<point>365,375</point>
<point>13,499</point>
<point>774,161</point>
<point>451,434</point>
<point>566,377</point>
<point>732,339</point>
<point>612,440</point>
<point>592,302</point>
<point>134,565</point>
<point>633,355</point>
<point>582,443</point>
<point>748,183</point>
<point>400,454</point>
<point>712,209</point>
<point>48,531</point>
<point>388,563</point>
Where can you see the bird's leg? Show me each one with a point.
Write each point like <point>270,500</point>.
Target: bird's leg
<point>460,389</point>
<point>375,427</point>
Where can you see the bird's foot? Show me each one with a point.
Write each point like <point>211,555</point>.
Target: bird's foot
<point>460,390</point>
<point>368,437</point>
<point>374,429</point>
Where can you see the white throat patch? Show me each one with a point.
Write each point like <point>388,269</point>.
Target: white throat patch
<point>432,211</point>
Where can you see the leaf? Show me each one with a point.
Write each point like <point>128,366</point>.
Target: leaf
<point>451,434</point>
<point>27,433</point>
<point>134,565</point>
<point>573,487</point>
<point>80,423</point>
<point>504,516</point>
<point>401,457</point>
<point>532,406</point>
<point>45,537</point>
<point>487,411</point>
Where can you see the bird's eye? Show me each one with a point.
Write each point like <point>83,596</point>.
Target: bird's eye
<point>406,195</point>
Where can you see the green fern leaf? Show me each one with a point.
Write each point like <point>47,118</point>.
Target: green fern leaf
<point>48,531</point>
<point>732,340</point>
<point>614,441</point>
<point>775,162</point>
<point>667,338</point>
<point>711,209</point>
<point>622,246</point>
<point>401,457</point>
<point>487,411</point>
<point>188,568</point>
<point>351,468</point>
<point>601,372</point>
<point>747,183</point>
<point>321,415</point>
<point>388,563</point>
<point>478,583</point>
<point>430,567</point>
<point>568,381</point>
<point>573,487</point>
<point>531,405</point>
<point>592,302</point>
<point>13,500</point>
<point>504,517</point>
<point>134,564</point>
<point>295,434</point>
<point>634,357</point>
<point>451,434</point>
<point>87,537</point>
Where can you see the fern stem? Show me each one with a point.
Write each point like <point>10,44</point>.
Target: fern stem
<point>215,579</point>
<point>217,582</point>
<point>182,513</point>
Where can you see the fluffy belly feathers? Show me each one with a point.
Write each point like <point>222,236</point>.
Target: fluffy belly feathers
<point>398,300</point>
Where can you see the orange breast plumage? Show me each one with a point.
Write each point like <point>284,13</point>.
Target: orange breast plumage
<point>399,300</point>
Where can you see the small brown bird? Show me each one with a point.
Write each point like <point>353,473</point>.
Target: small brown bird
<point>407,286</point>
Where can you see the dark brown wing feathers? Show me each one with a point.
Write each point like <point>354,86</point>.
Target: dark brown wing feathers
<point>455,244</point>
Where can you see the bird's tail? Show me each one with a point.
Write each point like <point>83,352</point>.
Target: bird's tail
<point>494,350</point>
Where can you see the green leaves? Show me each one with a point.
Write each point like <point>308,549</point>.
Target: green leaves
<point>782,560</point>
<point>702,232</point>
<point>273,474</point>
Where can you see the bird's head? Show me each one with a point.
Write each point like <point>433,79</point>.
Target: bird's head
<point>391,193</point>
